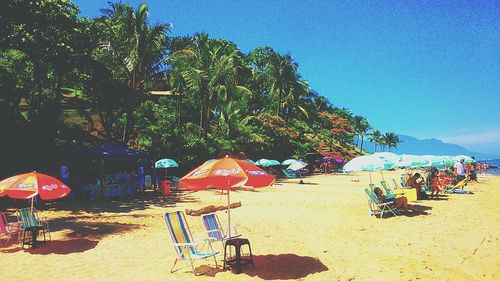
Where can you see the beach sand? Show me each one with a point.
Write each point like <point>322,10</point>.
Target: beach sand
<point>314,231</point>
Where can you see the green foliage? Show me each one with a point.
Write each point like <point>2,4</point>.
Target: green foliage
<point>226,102</point>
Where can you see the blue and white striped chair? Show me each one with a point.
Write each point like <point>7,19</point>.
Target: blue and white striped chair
<point>215,231</point>
<point>183,242</point>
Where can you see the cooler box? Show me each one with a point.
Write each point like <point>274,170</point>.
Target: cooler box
<point>165,187</point>
<point>409,193</point>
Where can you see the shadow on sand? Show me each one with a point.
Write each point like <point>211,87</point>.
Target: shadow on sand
<point>388,214</point>
<point>279,267</point>
<point>57,247</point>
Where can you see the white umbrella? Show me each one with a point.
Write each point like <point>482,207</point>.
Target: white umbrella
<point>412,161</point>
<point>368,163</point>
<point>467,159</point>
<point>297,166</point>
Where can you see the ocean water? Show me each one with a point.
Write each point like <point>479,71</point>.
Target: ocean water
<point>493,162</point>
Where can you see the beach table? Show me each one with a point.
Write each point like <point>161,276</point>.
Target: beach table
<point>409,193</point>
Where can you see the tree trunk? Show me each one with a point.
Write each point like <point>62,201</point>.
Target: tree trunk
<point>201,119</point>
<point>126,126</point>
<point>58,93</point>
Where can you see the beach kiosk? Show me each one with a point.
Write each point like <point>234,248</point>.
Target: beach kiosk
<point>117,181</point>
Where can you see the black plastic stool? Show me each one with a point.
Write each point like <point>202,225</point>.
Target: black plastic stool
<point>238,260</point>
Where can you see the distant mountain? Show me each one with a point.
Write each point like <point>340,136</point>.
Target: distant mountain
<point>411,145</point>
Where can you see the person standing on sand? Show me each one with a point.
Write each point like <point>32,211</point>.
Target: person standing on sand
<point>416,182</point>
<point>461,170</point>
<point>65,173</point>
<point>435,182</point>
<point>141,178</point>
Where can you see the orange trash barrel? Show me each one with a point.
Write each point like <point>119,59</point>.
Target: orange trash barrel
<point>165,187</point>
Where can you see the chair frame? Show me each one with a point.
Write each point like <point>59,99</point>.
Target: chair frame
<point>9,227</point>
<point>189,246</point>
<point>215,231</point>
<point>450,187</point>
<point>288,174</point>
<point>35,218</point>
<point>388,191</point>
<point>375,207</point>
<point>396,184</point>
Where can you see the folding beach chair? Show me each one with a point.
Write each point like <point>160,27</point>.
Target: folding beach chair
<point>396,184</point>
<point>372,187</point>
<point>184,245</point>
<point>374,207</point>
<point>215,230</point>
<point>389,193</point>
<point>6,228</point>
<point>457,188</point>
<point>28,218</point>
<point>403,180</point>
<point>174,182</point>
<point>288,174</point>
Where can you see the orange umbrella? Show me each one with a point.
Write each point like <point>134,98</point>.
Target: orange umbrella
<point>26,186</point>
<point>225,174</point>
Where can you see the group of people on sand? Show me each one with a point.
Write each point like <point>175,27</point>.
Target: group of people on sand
<point>436,180</point>
<point>327,167</point>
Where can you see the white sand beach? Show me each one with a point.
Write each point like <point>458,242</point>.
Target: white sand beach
<point>314,231</point>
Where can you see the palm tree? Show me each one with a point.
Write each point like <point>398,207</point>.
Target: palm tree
<point>391,140</point>
<point>293,102</point>
<point>376,138</point>
<point>209,70</point>
<point>361,127</point>
<point>132,49</point>
<point>279,76</point>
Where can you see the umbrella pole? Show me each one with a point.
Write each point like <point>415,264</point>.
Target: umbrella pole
<point>32,203</point>
<point>228,208</point>
<point>228,212</point>
<point>382,175</point>
<point>370,173</point>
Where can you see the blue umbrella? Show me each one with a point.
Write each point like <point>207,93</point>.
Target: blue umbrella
<point>251,161</point>
<point>267,163</point>
<point>166,163</point>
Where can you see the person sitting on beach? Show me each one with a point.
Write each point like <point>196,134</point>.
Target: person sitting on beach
<point>435,183</point>
<point>444,179</point>
<point>472,172</point>
<point>408,179</point>
<point>399,203</point>
<point>416,182</point>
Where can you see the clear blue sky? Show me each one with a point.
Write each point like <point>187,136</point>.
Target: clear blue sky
<point>428,69</point>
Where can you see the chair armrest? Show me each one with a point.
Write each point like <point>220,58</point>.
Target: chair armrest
<point>185,244</point>
<point>233,227</point>
<point>13,226</point>
<point>385,204</point>
<point>43,221</point>
<point>213,230</point>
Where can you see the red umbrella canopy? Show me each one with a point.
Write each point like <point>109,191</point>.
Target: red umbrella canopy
<point>28,185</point>
<point>226,173</point>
